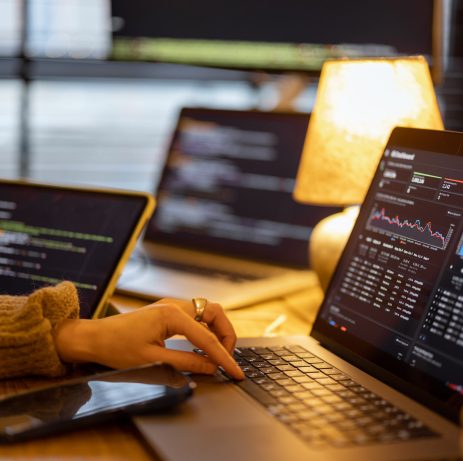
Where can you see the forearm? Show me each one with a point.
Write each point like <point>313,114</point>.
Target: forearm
<point>76,340</point>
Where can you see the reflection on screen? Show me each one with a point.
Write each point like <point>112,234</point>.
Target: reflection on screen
<point>158,386</point>
<point>51,235</point>
<point>111,396</point>
<point>228,183</point>
<point>399,286</point>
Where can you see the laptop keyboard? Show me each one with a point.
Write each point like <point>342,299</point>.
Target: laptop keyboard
<point>236,277</point>
<point>320,403</point>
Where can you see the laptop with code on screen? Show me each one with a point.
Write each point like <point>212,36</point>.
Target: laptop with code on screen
<point>381,375</point>
<point>50,233</point>
<point>226,225</point>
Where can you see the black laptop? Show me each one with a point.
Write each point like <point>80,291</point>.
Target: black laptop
<point>226,225</point>
<point>50,233</point>
<point>381,375</point>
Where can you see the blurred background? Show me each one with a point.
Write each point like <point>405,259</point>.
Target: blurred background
<point>90,89</point>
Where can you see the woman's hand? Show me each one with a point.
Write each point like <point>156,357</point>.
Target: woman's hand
<point>135,338</point>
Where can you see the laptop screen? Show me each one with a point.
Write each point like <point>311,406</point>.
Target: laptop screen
<point>227,186</point>
<point>396,298</point>
<point>49,234</point>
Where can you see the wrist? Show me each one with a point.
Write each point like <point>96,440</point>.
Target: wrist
<point>75,340</point>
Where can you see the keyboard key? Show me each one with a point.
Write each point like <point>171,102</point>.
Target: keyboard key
<point>278,350</point>
<point>253,374</point>
<point>322,409</point>
<point>339,377</point>
<point>330,371</point>
<point>245,352</point>
<point>260,364</point>
<point>258,393</point>
<point>291,358</point>
<point>285,382</point>
<point>296,406</point>
<point>294,373</point>
<point>268,370</point>
<point>278,375</point>
<point>321,392</point>
<point>326,381</point>
<point>259,350</point>
<point>331,399</point>
<point>303,395</point>
<point>305,355</point>
<point>335,388</point>
<point>316,375</point>
<point>296,349</point>
<point>321,365</point>
<point>269,356</point>
<point>311,386</point>
<point>286,399</point>
<point>307,369</point>
<point>303,379</point>
<point>262,380</point>
<point>285,367</point>
<point>277,362</point>
<point>311,360</point>
<point>280,392</point>
<point>299,363</point>
<point>294,388</point>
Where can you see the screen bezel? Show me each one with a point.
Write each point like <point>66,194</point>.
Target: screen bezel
<point>146,200</point>
<point>419,386</point>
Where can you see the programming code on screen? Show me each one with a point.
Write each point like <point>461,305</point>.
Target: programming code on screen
<point>47,236</point>
<point>228,186</point>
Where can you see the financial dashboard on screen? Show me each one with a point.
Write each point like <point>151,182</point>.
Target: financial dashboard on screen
<point>399,285</point>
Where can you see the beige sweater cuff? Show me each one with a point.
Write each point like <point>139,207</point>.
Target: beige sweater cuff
<point>26,330</point>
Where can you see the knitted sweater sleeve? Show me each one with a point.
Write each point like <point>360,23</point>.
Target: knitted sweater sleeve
<point>26,330</point>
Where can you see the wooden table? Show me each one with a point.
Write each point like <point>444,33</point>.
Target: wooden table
<point>291,315</point>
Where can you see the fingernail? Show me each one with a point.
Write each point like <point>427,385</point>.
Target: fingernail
<point>239,372</point>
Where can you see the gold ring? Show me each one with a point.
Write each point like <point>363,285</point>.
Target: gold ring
<point>199,305</point>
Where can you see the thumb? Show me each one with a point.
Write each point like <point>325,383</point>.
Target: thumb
<point>185,361</point>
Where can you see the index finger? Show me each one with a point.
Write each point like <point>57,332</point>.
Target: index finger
<point>201,337</point>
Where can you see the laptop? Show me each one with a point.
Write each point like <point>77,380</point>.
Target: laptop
<point>51,233</point>
<point>381,375</point>
<point>226,226</point>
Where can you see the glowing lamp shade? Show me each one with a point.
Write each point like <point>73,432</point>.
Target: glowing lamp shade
<point>358,103</point>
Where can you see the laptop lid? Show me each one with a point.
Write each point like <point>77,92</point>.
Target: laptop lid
<point>395,303</point>
<point>227,186</point>
<point>52,233</point>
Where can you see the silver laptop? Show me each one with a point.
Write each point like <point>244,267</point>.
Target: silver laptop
<point>226,225</point>
<point>381,375</point>
<point>50,233</point>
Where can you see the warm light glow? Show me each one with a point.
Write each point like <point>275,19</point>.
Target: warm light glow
<point>358,103</point>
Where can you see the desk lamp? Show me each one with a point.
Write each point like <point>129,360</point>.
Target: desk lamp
<point>359,102</point>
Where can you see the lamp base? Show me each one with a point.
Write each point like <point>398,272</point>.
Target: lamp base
<point>327,242</point>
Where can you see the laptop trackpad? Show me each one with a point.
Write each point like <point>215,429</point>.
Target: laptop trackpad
<point>202,428</point>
